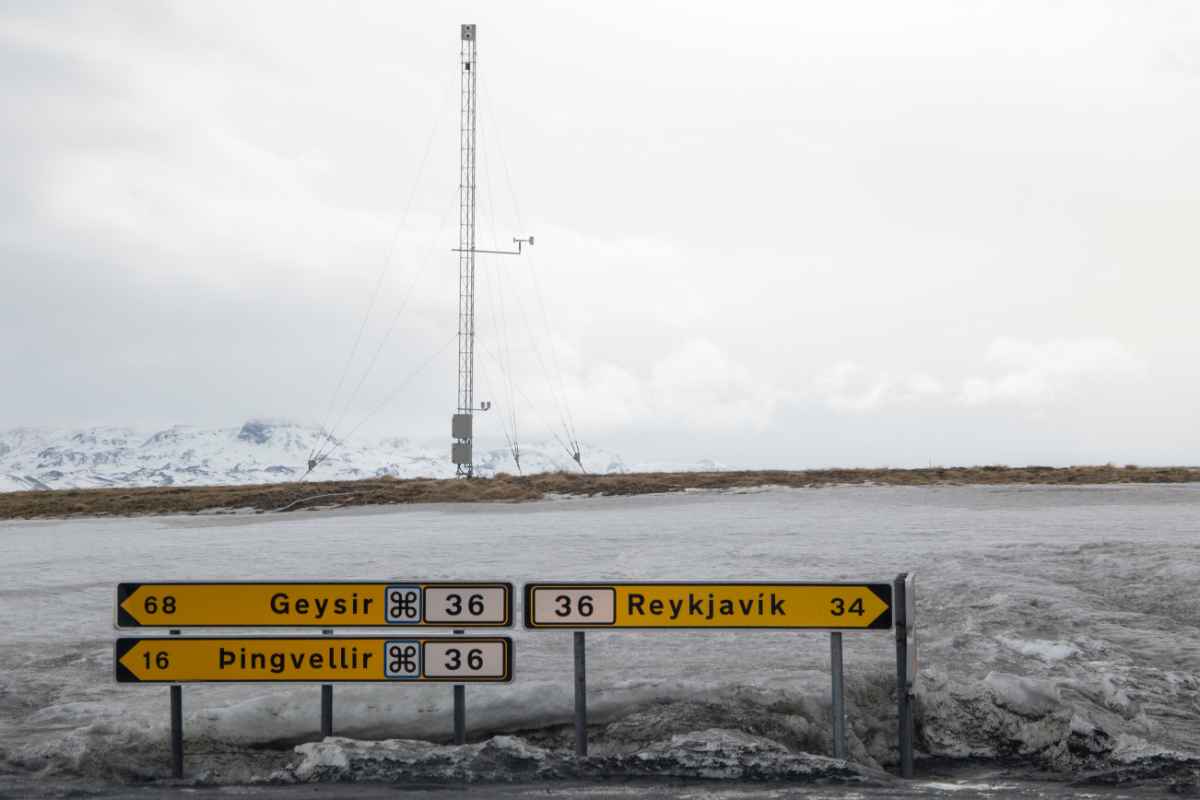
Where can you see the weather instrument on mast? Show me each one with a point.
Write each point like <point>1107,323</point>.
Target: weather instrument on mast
<point>462,423</point>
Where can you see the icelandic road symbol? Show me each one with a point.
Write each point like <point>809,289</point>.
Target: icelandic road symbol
<point>823,606</point>
<point>314,659</point>
<point>250,604</point>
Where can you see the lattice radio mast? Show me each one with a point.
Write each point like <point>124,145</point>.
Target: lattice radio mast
<point>461,424</point>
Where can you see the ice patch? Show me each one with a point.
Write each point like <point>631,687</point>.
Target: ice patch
<point>500,759</point>
<point>102,750</point>
<point>1006,716</point>
<point>368,712</point>
<point>1028,697</point>
<point>1040,648</point>
<point>713,754</point>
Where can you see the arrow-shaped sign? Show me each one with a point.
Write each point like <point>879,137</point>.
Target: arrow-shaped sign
<point>324,605</point>
<point>313,659</point>
<point>825,606</point>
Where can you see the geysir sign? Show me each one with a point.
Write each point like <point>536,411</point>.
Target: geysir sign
<point>256,604</point>
<point>795,606</point>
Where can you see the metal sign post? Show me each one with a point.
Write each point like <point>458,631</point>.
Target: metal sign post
<point>905,620</point>
<point>326,705</point>
<point>460,710</point>
<point>839,697</point>
<point>176,728</point>
<point>581,742</point>
<point>460,714</point>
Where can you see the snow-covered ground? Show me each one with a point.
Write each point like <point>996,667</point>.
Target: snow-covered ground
<point>1057,631</point>
<point>259,451</point>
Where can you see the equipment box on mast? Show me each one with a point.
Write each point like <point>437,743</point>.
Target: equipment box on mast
<point>460,426</point>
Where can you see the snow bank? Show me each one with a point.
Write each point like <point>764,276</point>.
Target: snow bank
<point>674,729</point>
<point>713,754</point>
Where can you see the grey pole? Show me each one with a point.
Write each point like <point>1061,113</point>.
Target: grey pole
<point>839,697</point>
<point>326,705</point>
<point>581,742</point>
<point>460,710</point>
<point>904,718</point>
<point>176,728</point>
<point>177,731</point>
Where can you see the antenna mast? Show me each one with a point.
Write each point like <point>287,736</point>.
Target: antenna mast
<point>462,423</point>
<point>462,427</point>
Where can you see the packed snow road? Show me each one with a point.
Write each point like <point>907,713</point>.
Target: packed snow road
<point>1058,636</point>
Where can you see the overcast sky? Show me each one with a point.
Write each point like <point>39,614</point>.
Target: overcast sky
<point>786,234</point>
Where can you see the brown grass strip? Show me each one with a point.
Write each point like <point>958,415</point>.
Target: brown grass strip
<point>507,488</point>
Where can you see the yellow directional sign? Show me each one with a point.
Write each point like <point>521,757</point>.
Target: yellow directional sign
<point>824,606</point>
<point>318,605</point>
<point>314,659</point>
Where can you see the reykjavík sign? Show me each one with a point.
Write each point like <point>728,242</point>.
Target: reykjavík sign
<point>779,606</point>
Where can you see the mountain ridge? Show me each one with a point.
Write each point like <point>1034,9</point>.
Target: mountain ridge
<point>261,450</point>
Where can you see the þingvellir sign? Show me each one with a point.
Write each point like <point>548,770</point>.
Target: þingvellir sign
<point>314,659</point>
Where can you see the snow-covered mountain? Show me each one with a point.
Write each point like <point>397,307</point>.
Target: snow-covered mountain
<point>260,451</point>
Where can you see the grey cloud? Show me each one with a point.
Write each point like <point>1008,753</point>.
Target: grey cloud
<point>763,255</point>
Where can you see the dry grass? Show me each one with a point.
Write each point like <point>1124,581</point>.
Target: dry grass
<point>508,488</point>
